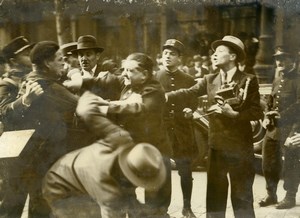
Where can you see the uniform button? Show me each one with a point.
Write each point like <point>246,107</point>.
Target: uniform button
<point>172,84</point>
<point>280,86</point>
<point>278,91</point>
<point>173,105</point>
<point>282,80</point>
<point>277,96</point>
<point>277,102</point>
<point>276,108</point>
<point>172,78</point>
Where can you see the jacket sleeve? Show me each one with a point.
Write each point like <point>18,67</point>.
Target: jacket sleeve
<point>251,109</point>
<point>11,106</point>
<point>151,99</point>
<point>194,92</point>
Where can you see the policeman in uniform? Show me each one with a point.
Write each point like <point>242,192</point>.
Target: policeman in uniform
<point>284,109</point>
<point>16,53</point>
<point>179,128</point>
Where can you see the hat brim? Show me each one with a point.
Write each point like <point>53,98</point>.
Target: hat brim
<point>172,47</point>
<point>282,54</point>
<point>99,49</point>
<point>151,183</point>
<point>240,52</point>
<point>24,48</point>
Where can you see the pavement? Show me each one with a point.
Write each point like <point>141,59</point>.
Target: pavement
<point>199,194</point>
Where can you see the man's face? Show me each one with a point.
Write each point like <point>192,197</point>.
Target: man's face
<point>23,59</point>
<point>222,56</point>
<point>170,58</point>
<point>284,63</point>
<point>56,65</point>
<point>133,74</point>
<point>88,58</point>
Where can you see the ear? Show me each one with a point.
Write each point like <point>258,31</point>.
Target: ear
<point>13,61</point>
<point>46,63</point>
<point>233,56</point>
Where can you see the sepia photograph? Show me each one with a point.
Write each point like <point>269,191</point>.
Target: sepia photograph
<point>149,108</point>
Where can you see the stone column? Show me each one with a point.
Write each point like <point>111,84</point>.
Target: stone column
<point>264,66</point>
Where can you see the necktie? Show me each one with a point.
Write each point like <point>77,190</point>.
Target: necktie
<point>224,78</point>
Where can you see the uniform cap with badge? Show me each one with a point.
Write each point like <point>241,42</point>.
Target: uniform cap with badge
<point>16,46</point>
<point>174,43</point>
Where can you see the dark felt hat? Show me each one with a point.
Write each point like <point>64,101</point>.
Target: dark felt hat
<point>42,51</point>
<point>143,165</point>
<point>87,42</point>
<point>234,43</point>
<point>15,46</point>
<point>68,47</point>
<point>174,43</point>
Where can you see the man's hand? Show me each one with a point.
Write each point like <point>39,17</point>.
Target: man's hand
<point>227,110</point>
<point>33,91</point>
<point>266,122</point>
<point>295,140</point>
<point>188,113</point>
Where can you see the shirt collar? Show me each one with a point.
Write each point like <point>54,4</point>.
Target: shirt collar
<point>92,72</point>
<point>230,73</point>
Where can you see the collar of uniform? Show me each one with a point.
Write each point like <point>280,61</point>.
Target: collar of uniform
<point>171,72</point>
<point>284,74</point>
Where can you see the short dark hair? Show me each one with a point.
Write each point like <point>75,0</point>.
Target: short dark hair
<point>144,61</point>
<point>42,51</point>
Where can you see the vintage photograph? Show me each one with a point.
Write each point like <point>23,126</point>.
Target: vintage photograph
<point>149,108</point>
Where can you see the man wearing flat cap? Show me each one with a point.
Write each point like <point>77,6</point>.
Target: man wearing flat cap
<point>282,124</point>
<point>179,128</point>
<point>230,133</point>
<point>16,53</point>
<point>88,53</point>
<point>50,115</point>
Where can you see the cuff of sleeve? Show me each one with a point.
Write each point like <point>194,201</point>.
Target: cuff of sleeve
<point>23,102</point>
<point>103,110</point>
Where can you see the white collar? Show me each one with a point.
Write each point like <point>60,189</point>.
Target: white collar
<point>230,73</point>
<point>92,72</point>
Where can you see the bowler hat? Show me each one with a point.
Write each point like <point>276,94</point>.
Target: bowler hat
<point>87,42</point>
<point>42,51</point>
<point>174,43</point>
<point>234,43</point>
<point>67,48</point>
<point>15,46</point>
<point>283,51</point>
<point>143,165</point>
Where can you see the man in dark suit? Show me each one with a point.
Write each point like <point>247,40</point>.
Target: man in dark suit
<point>140,112</point>
<point>16,53</point>
<point>230,134</point>
<point>179,128</point>
<point>50,115</point>
<point>89,53</point>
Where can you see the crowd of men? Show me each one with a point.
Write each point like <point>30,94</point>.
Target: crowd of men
<point>131,120</point>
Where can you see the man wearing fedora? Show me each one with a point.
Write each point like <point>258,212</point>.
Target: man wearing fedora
<point>282,124</point>
<point>179,128</point>
<point>230,133</point>
<point>16,53</point>
<point>88,53</point>
<point>106,173</point>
